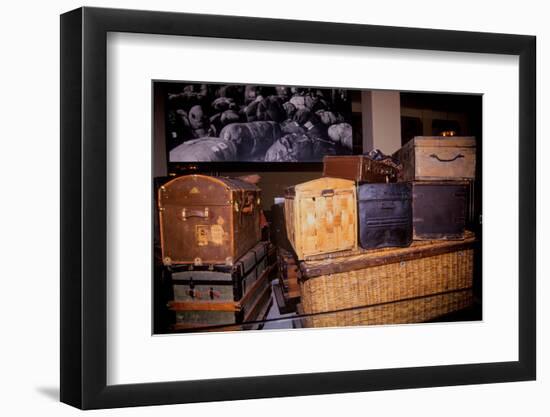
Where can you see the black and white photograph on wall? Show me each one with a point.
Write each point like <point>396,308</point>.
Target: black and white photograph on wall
<point>255,123</point>
<point>294,207</point>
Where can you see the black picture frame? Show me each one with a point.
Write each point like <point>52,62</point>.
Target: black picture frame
<point>84,207</point>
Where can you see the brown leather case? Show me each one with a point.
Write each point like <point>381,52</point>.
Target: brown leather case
<point>208,220</point>
<point>358,168</point>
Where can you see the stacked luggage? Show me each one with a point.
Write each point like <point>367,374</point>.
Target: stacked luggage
<point>219,268</point>
<point>440,170</point>
<point>376,240</point>
<point>409,258</point>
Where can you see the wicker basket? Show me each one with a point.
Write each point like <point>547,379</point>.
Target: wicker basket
<point>386,276</point>
<point>416,310</point>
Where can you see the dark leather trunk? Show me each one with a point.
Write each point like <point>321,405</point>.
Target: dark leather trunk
<point>220,294</point>
<point>385,215</point>
<point>439,210</point>
<point>289,276</point>
<point>279,235</point>
<point>358,168</point>
<point>207,220</point>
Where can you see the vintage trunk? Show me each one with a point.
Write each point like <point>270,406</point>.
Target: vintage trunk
<point>385,215</point>
<point>223,295</point>
<point>438,158</point>
<point>383,276</point>
<point>288,281</point>
<point>208,220</point>
<point>358,168</point>
<point>439,209</point>
<point>321,216</point>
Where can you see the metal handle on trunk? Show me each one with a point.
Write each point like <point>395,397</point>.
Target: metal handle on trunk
<point>247,204</point>
<point>186,213</point>
<point>433,155</point>
<point>327,193</point>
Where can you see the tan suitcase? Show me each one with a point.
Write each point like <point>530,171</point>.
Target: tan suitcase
<point>321,216</point>
<point>438,158</point>
<point>208,220</point>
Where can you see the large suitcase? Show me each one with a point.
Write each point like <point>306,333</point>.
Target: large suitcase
<point>321,216</point>
<point>385,215</point>
<point>208,220</point>
<point>382,276</point>
<point>439,209</point>
<point>358,168</point>
<point>221,295</point>
<point>438,158</point>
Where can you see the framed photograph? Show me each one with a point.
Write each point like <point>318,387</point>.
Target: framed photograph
<point>257,208</point>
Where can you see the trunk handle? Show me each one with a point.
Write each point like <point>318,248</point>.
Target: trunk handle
<point>433,155</point>
<point>327,193</point>
<point>186,213</point>
<point>247,206</point>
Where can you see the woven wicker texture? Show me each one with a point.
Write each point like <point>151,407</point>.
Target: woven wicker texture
<point>408,311</point>
<point>321,216</point>
<point>386,283</point>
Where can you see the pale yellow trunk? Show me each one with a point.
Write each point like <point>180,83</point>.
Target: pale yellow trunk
<point>321,217</point>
